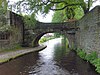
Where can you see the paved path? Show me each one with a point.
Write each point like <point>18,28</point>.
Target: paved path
<point>6,56</point>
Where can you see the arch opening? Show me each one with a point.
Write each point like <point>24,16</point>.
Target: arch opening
<point>48,35</point>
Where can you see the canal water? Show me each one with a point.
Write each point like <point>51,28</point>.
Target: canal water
<point>54,60</point>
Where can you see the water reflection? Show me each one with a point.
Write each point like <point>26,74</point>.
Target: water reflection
<point>46,63</point>
<point>19,66</point>
<point>54,60</point>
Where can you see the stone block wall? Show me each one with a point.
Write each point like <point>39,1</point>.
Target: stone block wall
<point>17,22</point>
<point>16,35</point>
<point>88,34</point>
<point>10,41</point>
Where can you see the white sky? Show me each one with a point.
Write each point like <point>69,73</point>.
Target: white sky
<point>48,17</point>
<point>96,3</point>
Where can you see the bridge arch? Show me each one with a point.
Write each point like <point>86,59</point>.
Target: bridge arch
<point>67,28</point>
<point>38,36</point>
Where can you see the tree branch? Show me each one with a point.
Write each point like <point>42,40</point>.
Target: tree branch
<point>64,7</point>
<point>43,3</point>
<point>57,2</point>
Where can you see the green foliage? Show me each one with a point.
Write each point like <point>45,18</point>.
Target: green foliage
<point>96,63</point>
<point>81,53</point>
<point>92,58</point>
<point>6,28</point>
<point>3,20</point>
<point>65,42</point>
<point>61,16</point>
<point>78,13</point>
<point>45,5</point>
<point>56,35</point>
<point>58,17</point>
<point>44,39</point>
<point>65,9</point>
<point>30,21</point>
<point>14,48</point>
<point>4,60</point>
<point>3,5</point>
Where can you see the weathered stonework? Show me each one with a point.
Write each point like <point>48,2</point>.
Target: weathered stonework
<point>88,34</point>
<point>84,34</point>
<point>16,36</point>
<point>67,28</point>
<point>11,41</point>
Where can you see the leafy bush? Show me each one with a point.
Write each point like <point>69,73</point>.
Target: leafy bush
<point>92,56</point>
<point>44,39</point>
<point>81,53</point>
<point>96,63</point>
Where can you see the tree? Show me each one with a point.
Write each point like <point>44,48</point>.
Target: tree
<point>60,16</point>
<point>65,9</point>
<point>3,5</point>
<point>72,12</point>
<point>3,19</point>
<point>45,5</point>
<point>3,9</point>
<point>29,21</point>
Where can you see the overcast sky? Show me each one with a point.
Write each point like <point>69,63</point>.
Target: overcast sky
<point>48,17</point>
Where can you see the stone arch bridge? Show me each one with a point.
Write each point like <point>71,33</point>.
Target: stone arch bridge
<point>66,28</point>
<point>84,33</point>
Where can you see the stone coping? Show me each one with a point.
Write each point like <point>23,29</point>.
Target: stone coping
<point>7,56</point>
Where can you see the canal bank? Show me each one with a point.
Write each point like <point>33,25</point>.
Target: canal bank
<point>53,60</point>
<point>7,56</point>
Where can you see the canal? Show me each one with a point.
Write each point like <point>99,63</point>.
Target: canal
<point>54,60</point>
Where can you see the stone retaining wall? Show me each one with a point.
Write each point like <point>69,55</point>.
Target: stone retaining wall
<point>88,34</point>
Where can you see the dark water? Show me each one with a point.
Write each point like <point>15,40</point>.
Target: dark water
<point>54,60</point>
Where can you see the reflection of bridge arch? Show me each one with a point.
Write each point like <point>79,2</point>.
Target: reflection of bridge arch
<point>67,28</point>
